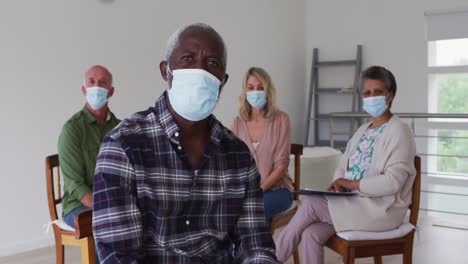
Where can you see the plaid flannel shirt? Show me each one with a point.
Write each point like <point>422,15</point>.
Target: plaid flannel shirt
<point>150,206</point>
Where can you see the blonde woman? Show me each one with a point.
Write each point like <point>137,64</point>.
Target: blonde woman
<point>266,131</point>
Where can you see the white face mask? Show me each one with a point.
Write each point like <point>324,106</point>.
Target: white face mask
<point>375,105</point>
<point>257,99</point>
<point>194,93</point>
<point>96,97</point>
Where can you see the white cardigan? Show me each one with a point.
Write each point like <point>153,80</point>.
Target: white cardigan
<point>386,191</point>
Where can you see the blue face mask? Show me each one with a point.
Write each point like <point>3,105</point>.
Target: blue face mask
<point>96,97</point>
<point>375,105</point>
<point>194,93</point>
<point>257,99</point>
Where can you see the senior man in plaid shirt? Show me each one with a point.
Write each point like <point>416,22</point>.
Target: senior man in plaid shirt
<point>172,184</point>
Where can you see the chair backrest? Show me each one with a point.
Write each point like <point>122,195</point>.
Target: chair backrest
<point>54,192</point>
<point>414,206</point>
<point>297,150</point>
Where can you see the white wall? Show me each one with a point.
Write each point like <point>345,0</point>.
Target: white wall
<point>45,46</point>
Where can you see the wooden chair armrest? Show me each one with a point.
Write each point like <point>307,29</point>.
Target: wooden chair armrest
<point>84,224</point>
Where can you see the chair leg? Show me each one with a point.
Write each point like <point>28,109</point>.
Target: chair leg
<point>349,256</point>
<point>59,256</point>
<point>408,255</point>
<point>59,249</point>
<point>346,256</point>
<point>377,259</point>
<point>296,257</point>
<point>408,251</point>
<point>87,251</point>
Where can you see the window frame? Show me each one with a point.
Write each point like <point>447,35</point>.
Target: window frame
<point>437,125</point>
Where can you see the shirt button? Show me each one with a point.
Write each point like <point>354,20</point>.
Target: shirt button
<point>179,147</point>
<point>187,222</point>
<point>176,134</point>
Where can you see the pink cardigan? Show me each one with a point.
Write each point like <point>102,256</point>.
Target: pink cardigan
<point>273,149</point>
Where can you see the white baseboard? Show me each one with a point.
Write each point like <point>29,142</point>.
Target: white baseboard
<point>24,246</point>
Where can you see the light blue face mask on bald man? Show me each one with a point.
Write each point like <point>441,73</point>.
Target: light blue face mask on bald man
<point>96,97</point>
<point>194,93</point>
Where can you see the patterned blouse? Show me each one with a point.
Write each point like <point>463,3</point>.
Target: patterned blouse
<point>361,157</point>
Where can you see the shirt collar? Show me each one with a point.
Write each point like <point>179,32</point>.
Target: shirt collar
<point>90,117</point>
<point>170,128</point>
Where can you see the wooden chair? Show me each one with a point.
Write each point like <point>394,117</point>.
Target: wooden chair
<point>350,250</point>
<point>83,236</point>
<point>283,218</point>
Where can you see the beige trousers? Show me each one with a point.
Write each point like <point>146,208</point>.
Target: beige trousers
<point>310,227</point>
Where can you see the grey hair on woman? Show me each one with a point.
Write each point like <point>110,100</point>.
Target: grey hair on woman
<point>381,74</point>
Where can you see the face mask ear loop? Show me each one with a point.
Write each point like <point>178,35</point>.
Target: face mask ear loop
<point>168,70</point>
<point>223,82</point>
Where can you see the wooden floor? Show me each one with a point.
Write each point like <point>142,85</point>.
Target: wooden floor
<point>436,245</point>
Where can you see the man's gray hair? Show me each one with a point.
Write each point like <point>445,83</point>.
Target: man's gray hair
<point>174,40</point>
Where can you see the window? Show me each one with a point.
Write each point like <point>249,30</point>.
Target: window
<point>451,52</point>
<point>451,147</point>
<point>447,68</point>
<point>448,93</point>
<point>448,76</point>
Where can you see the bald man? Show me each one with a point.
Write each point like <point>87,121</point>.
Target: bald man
<point>80,139</point>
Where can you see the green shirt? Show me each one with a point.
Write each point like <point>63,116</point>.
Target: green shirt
<point>78,147</point>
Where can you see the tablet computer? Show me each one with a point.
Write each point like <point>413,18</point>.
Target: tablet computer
<point>310,191</point>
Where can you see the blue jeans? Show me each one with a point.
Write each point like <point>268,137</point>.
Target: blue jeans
<point>70,217</point>
<point>276,201</point>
